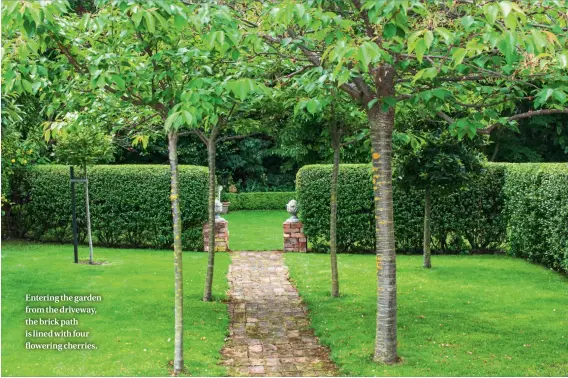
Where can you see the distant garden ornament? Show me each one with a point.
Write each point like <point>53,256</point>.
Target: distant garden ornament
<point>219,190</point>
<point>292,209</point>
<point>218,211</point>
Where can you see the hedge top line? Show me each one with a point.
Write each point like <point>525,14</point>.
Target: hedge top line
<point>125,166</point>
<point>560,166</point>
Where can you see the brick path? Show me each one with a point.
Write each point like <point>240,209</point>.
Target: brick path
<point>270,334</point>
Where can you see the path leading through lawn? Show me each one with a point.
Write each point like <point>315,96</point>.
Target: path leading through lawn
<point>269,332</point>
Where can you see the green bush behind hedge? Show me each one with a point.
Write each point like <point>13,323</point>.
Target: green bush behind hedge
<point>130,204</point>
<point>258,200</point>
<point>470,214</point>
<point>537,210</point>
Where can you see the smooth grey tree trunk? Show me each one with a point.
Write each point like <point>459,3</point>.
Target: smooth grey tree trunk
<point>427,231</point>
<point>88,214</point>
<point>381,126</point>
<point>211,150</point>
<point>178,273</point>
<point>333,216</point>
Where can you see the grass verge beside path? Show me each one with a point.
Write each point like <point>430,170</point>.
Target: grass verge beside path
<point>467,316</point>
<point>133,326</point>
<point>256,230</point>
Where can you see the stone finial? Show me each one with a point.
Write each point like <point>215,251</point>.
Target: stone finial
<point>292,209</point>
<point>218,211</point>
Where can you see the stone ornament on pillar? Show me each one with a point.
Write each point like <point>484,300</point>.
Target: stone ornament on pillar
<point>221,231</point>
<point>294,238</point>
<point>218,211</point>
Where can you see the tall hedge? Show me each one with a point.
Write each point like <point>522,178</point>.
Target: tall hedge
<point>258,200</point>
<point>524,206</point>
<point>537,209</point>
<point>130,204</point>
<point>469,218</point>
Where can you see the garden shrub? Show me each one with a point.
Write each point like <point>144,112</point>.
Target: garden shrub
<point>537,210</point>
<point>130,204</point>
<point>473,213</point>
<point>258,200</point>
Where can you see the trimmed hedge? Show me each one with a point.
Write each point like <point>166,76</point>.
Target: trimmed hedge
<point>472,214</point>
<point>537,209</point>
<point>259,200</point>
<point>130,205</point>
<point>523,205</point>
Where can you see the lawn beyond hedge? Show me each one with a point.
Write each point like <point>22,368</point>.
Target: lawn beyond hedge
<point>469,315</point>
<point>133,327</point>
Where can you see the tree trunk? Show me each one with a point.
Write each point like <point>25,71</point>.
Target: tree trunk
<point>427,220</point>
<point>336,139</point>
<point>178,274</point>
<point>88,214</point>
<point>211,149</point>
<point>381,126</point>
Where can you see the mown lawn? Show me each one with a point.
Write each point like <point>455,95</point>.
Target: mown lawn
<point>133,327</point>
<point>256,230</point>
<point>468,316</point>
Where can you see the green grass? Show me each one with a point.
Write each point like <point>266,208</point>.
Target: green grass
<point>256,230</point>
<point>133,327</point>
<point>469,315</point>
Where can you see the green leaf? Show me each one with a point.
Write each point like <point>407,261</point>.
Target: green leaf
<point>511,21</point>
<point>312,105</point>
<point>539,39</point>
<point>430,73</point>
<point>136,16</point>
<point>505,8</point>
<point>445,33</point>
<point>420,49</point>
<point>441,93</point>
<point>389,31</point>
<point>563,59</point>
<point>119,82</point>
<point>170,120</point>
<point>412,40</point>
<point>187,117</point>
<point>458,55</point>
<point>179,21</point>
<point>240,88</point>
<point>491,11</point>
<point>27,86</point>
<point>368,52</point>
<point>150,23</point>
<point>428,38</point>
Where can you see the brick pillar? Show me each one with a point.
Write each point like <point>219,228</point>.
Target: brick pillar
<point>294,238</point>
<point>221,236</point>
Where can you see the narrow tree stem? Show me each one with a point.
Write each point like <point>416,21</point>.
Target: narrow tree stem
<point>427,221</point>
<point>88,214</point>
<point>211,150</point>
<point>333,216</point>
<point>178,273</point>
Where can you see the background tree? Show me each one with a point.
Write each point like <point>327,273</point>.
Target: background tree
<point>343,122</point>
<point>449,56</point>
<point>440,162</point>
<point>81,143</point>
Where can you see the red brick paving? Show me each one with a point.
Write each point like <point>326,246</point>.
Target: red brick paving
<point>269,332</point>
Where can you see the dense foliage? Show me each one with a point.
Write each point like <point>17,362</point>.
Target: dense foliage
<point>130,205</point>
<point>467,218</point>
<point>537,209</point>
<point>258,201</point>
